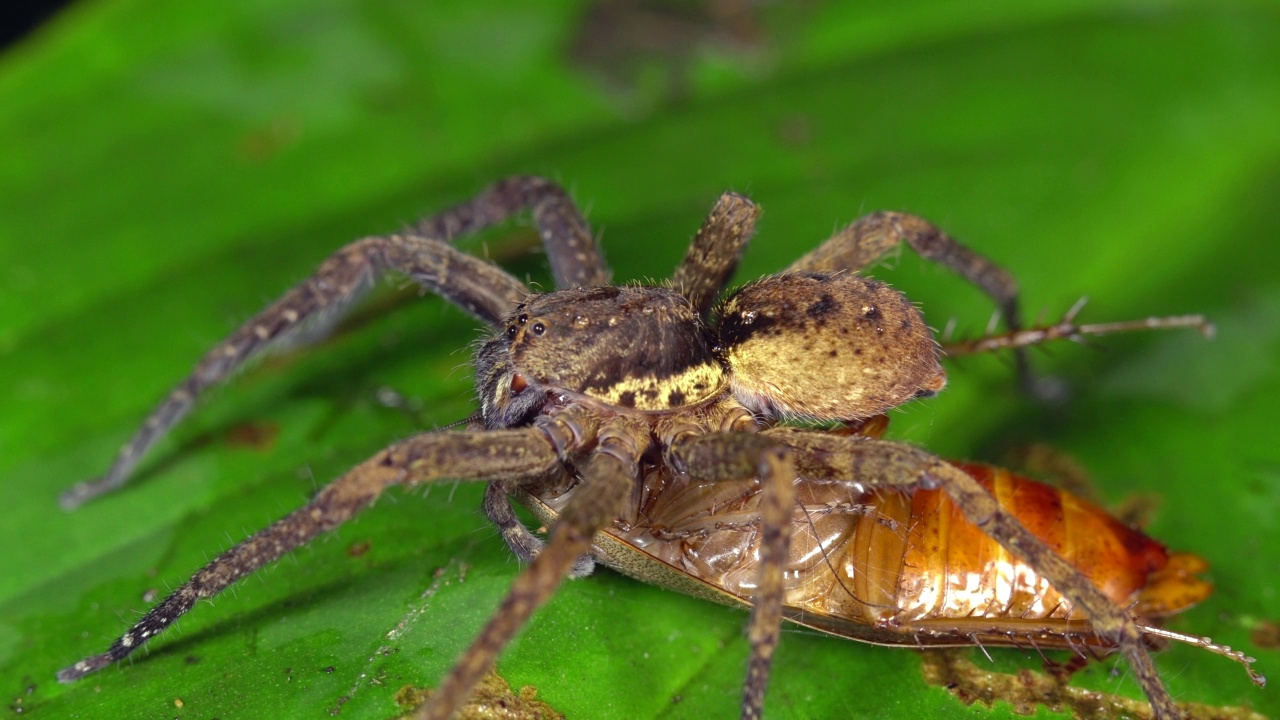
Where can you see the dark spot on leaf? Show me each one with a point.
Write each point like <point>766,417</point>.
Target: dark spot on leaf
<point>253,435</point>
<point>1266,634</point>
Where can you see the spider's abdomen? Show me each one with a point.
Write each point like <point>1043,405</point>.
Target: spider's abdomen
<point>828,346</point>
<point>641,348</point>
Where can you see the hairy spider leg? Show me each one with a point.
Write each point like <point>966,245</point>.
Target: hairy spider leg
<point>715,251</point>
<point>518,454</point>
<point>880,463</point>
<point>479,287</point>
<point>735,456</point>
<point>482,289</point>
<point>867,239</point>
<point>607,479</point>
<point>520,540</point>
<point>572,251</point>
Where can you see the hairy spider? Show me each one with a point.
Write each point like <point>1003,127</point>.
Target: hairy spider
<point>587,390</point>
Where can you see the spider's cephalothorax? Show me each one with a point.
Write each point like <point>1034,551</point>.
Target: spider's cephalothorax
<point>816,345</point>
<point>596,395</point>
<point>640,348</point>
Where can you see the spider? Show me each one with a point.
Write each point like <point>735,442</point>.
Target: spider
<point>585,390</point>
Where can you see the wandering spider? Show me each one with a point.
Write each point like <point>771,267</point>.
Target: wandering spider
<point>591,392</point>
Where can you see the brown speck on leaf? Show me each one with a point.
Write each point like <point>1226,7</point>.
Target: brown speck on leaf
<point>253,435</point>
<point>358,549</point>
<point>1266,634</point>
<point>264,142</point>
<point>796,131</point>
<point>493,700</point>
<point>343,700</point>
<point>1027,691</point>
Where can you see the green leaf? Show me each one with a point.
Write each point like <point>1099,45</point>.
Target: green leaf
<point>169,168</point>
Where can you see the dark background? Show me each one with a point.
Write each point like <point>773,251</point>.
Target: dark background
<point>19,18</point>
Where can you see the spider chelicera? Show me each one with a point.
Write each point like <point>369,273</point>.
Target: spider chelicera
<point>587,389</point>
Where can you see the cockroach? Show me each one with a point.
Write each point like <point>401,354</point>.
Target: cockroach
<point>902,566</point>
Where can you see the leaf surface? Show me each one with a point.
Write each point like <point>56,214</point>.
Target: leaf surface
<point>168,169</point>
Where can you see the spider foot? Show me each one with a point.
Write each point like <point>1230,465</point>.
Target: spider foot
<point>83,492</point>
<point>86,666</point>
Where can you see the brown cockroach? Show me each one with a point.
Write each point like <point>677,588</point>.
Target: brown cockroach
<point>900,566</point>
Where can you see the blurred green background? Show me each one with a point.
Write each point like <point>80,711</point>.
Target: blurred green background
<point>167,168</point>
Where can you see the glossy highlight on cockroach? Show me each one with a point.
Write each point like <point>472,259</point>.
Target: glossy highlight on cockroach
<point>669,432</point>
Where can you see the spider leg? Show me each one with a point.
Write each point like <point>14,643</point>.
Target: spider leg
<point>521,454</point>
<point>866,239</point>
<point>607,480</point>
<point>572,251</point>
<point>523,542</point>
<point>733,456</point>
<point>483,289</point>
<point>480,288</point>
<point>876,462</point>
<point>716,250</point>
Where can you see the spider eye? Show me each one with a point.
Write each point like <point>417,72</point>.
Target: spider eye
<point>511,332</point>
<point>522,319</point>
<point>539,328</point>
